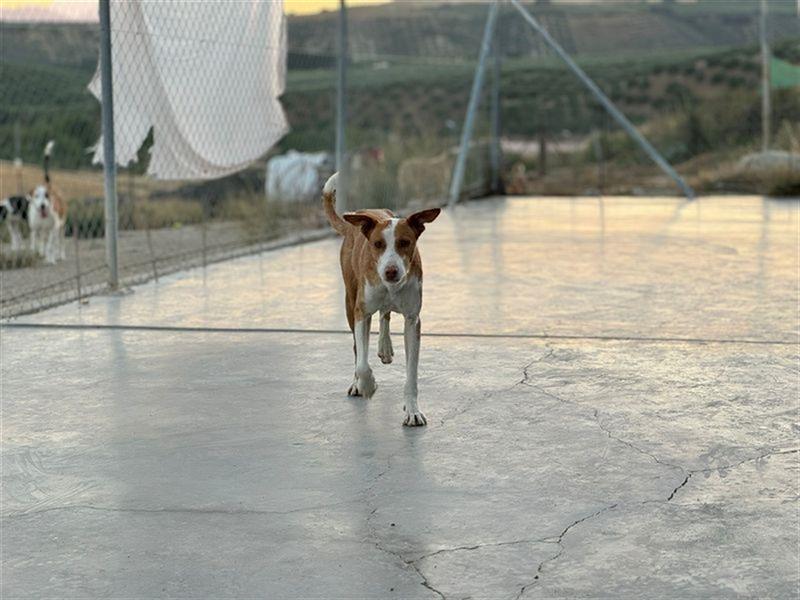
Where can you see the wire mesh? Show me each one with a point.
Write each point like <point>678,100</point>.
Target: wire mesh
<point>686,73</point>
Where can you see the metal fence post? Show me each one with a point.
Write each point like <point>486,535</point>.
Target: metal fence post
<point>474,99</point>
<point>494,148</point>
<point>109,162</point>
<point>341,111</point>
<point>607,104</point>
<point>18,157</point>
<point>766,108</point>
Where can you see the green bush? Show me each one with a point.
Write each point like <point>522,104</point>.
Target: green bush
<point>736,81</point>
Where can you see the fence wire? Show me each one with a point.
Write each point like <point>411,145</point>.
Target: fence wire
<point>686,74</point>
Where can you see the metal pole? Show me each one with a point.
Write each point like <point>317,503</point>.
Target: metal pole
<point>341,111</point>
<point>474,98</point>
<point>18,156</point>
<point>109,162</point>
<point>607,104</point>
<point>766,100</point>
<point>494,148</point>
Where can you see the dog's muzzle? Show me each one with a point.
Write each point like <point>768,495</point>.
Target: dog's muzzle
<point>392,274</point>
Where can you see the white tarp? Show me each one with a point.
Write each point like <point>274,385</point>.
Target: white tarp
<point>205,76</point>
<point>296,176</point>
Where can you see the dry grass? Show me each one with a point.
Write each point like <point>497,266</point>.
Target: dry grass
<point>77,184</point>
<point>72,184</point>
<point>728,177</point>
<point>20,259</point>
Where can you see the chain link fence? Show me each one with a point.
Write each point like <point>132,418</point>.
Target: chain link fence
<point>687,75</point>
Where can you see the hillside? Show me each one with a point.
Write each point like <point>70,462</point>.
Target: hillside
<point>414,67</point>
<point>453,31</point>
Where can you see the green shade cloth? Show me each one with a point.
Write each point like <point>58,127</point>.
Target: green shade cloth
<point>784,74</point>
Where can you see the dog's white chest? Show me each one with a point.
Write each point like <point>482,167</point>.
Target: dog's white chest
<point>405,299</point>
<point>37,221</point>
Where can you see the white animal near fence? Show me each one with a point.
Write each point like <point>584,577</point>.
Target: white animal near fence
<point>297,176</point>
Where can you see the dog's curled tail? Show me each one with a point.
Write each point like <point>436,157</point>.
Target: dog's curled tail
<point>329,204</point>
<point>48,149</point>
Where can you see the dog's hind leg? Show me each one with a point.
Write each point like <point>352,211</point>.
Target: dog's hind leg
<point>62,243</point>
<point>364,382</point>
<point>385,350</point>
<point>51,246</point>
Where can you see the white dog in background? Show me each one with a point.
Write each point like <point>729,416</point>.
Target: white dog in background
<point>47,215</point>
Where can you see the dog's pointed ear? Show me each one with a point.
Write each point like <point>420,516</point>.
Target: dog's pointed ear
<point>418,219</point>
<point>365,222</point>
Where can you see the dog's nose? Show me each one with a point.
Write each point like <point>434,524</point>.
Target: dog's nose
<point>391,273</point>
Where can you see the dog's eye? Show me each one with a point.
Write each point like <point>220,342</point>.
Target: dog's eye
<point>403,243</point>
<point>379,244</point>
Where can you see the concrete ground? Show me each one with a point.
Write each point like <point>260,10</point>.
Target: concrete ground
<point>612,396</point>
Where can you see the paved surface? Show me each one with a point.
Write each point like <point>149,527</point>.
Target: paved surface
<point>634,434</point>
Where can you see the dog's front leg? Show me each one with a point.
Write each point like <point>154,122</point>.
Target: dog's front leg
<point>364,381</point>
<point>16,236</point>
<point>62,242</point>
<point>50,247</point>
<point>413,416</point>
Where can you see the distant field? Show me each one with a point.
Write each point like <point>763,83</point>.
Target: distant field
<point>73,184</point>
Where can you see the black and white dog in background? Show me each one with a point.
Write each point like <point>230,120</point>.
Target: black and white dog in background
<point>44,210</point>
<point>14,212</point>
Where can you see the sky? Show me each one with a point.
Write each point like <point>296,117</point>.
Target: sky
<point>86,10</point>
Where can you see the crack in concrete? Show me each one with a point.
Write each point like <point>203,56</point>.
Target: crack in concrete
<point>486,395</point>
<point>376,541</point>
<point>604,429</point>
<point>679,486</point>
<point>525,375</point>
<point>408,563</point>
<point>558,540</point>
<point>631,445</point>
<point>487,545</point>
<point>692,472</point>
<point>491,393</point>
<point>425,582</point>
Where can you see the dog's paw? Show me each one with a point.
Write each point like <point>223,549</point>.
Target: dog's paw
<point>414,419</point>
<point>363,386</point>
<point>385,350</point>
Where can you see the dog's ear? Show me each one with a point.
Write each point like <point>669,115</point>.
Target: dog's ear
<point>418,219</point>
<point>365,222</point>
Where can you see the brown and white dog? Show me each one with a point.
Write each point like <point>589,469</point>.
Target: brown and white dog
<point>382,272</point>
